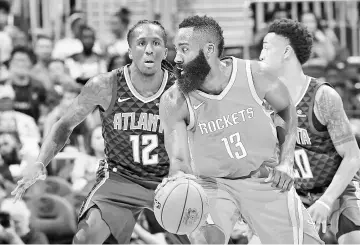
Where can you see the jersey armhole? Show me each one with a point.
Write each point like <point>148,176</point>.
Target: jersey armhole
<point>251,83</point>
<point>191,113</point>
<point>106,112</point>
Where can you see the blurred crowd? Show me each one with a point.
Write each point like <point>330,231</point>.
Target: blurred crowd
<point>38,81</point>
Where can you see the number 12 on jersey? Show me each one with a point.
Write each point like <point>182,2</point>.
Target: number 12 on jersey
<point>236,141</point>
<point>151,141</point>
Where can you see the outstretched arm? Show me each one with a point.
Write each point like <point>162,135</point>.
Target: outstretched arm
<point>96,92</point>
<point>173,112</point>
<point>330,112</point>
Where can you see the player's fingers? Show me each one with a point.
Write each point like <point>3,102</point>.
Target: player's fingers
<point>323,226</point>
<point>290,185</point>
<point>286,184</point>
<point>19,194</point>
<point>269,178</point>
<point>276,179</point>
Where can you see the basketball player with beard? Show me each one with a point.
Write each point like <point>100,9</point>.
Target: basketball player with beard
<point>135,156</point>
<point>216,130</point>
<point>327,156</point>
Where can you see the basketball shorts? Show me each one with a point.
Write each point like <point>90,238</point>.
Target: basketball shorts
<point>120,201</point>
<point>275,217</point>
<point>347,205</point>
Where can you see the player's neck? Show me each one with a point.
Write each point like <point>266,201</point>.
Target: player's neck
<point>217,79</point>
<point>144,84</point>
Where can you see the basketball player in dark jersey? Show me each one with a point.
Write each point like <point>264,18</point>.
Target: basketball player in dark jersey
<point>217,130</point>
<point>136,161</point>
<point>327,156</point>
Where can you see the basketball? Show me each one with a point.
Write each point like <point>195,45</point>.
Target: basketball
<point>181,206</point>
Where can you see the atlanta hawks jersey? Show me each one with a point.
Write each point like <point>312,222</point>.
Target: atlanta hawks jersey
<point>316,159</point>
<point>134,140</point>
<point>230,135</point>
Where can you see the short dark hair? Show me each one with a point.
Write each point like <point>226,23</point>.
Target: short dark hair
<point>208,25</point>
<point>25,50</point>
<point>300,38</point>
<point>5,5</point>
<point>124,15</point>
<point>86,28</point>
<point>145,22</point>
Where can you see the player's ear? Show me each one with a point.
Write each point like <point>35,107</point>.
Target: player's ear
<point>130,54</point>
<point>209,49</point>
<point>165,53</point>
<point>288,51</point>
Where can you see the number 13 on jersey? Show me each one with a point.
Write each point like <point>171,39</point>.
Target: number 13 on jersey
<point>235,140</point>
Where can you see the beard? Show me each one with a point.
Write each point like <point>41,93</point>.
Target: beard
<point>193,73</point>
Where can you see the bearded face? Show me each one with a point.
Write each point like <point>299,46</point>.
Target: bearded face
<point>192,75</point>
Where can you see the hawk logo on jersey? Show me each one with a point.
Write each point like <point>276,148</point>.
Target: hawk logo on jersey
<point>300,113</point>
<point>191,216</point>
<point>302,137</point>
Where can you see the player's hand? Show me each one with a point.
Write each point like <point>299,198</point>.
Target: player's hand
<point>179,174</point>
<point>31,173</point>
<point>319,214</point>
<point>282,177</point>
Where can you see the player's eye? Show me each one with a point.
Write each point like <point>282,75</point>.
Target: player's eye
<point>141,43</point>
<point>184,50</point>
<point>156,43</point>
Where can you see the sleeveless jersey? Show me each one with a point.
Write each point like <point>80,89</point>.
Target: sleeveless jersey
<point>316,159</point>
<point>134,140</point>
<point>230,134</point>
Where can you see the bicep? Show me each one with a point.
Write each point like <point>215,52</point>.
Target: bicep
<point>269,87</point>
<point>330,111</point>
<point>175,129</point>
<point>93,94</point>
<point>278,96</point>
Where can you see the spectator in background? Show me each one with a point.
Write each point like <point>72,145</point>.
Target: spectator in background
<point>84,65</point>
<point>85,166</point>
<point>118,61</point>
<point>19,133</point>
<point>19,231</point>
<point>70,45</point>
<point>20,38</point>
<point>29,93</point>
<point>119,25</point>
<point>5,39</point>
<point>323,51</point>
<point>43,49</point>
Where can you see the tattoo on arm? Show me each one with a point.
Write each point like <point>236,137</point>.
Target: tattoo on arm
<point>331,112</point>
<point>96,92</point>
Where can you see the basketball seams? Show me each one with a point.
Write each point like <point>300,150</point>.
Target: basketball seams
<point>202,207</point>
<point>182,215</point>
<point>164,204</point>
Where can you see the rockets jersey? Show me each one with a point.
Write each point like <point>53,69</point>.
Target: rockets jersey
<point>134,139</point>
<point>230,134</point>
<point>316,159</point>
